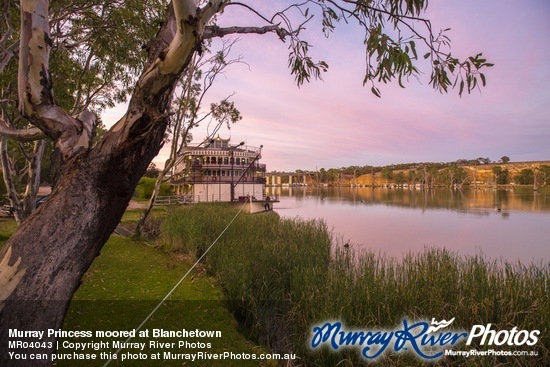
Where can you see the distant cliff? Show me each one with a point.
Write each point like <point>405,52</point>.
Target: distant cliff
<point>434,175</point>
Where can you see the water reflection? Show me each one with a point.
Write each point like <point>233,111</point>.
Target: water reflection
<point>395,221</point>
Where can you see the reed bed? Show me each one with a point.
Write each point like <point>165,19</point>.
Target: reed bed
<point>282,276</point>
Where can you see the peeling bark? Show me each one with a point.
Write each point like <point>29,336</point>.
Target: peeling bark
<point>10,276</point>
<point>35,86</point>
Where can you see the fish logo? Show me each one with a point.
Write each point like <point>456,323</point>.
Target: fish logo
<point>439,325</point>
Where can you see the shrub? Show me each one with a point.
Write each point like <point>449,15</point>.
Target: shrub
<point>146,185</point>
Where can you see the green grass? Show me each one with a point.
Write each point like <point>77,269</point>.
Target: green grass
<point>125,284</point>
<point>7,227</point>
<point>283,276</point>
<point>127,281</point>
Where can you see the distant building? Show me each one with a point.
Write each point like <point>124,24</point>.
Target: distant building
<point>219,172</point>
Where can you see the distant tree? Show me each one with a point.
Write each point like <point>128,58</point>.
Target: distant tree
<point>333,175</point>
<point>387,173</point>
<point>525,177</point>
<point>504,159</point>
<point>428,173</point>
<point>542,173</point>
<point>146,186</point>
<point>482,160</point>
<point>354,172</point>
<point>322,176</point>
<point>152,171</point>
<point>500,175</point>
<point>400,178</point>
<point>452,175</point>
<point>412,177</point>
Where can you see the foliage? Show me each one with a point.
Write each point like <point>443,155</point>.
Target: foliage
<point>281,276</point>
<point>505,159</point>
<point>152,171</point>
<point>95,62</point>
<point>146,185</point>
<point>400,178</point>
<point>392,30</point>
<point>525,177</point>
<point>543,174</point>
<point>501,175</point>
<point>94,55</point>
<point>452,175</point>
<point>387,173</point>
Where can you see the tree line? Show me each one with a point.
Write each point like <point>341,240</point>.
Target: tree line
<point>431,174</point>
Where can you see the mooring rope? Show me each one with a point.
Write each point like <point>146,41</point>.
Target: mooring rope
<point>176,286</point>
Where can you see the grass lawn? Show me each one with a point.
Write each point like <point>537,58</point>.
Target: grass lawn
<point>125,283</point>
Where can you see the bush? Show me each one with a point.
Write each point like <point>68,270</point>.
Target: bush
<point>146,185</point>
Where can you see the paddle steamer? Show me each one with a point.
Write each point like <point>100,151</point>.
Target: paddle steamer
<point>220,172</point>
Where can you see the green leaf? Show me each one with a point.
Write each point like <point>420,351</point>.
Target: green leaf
<point>483,81</point>
<point>413,49</point>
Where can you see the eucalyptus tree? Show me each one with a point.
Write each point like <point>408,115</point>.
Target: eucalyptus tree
<point>542,175</point>
<point>500,175</point>
<point>42,263</point>
<point>95,62</point>
<point>453,176</point>
<point>525,177</point>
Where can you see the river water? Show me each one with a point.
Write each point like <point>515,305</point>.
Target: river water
<point>512,224</point>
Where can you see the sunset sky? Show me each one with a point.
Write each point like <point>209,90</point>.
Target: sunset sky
<point>337,122</point>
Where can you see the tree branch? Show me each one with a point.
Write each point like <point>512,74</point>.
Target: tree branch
<point>7,52</point>
<point>215,31</point>
<point>24,135</point>
<point>35,86</point>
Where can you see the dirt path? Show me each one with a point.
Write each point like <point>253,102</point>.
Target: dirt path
<point>136,205</point>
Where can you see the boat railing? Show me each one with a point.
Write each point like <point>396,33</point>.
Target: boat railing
<point>220,180</point>
<point>203,166</point>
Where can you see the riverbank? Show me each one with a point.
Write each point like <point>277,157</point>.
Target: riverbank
<point>125,283</point>
<point>281,277</point>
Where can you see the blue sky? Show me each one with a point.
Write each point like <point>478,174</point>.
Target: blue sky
<point>337,122</point>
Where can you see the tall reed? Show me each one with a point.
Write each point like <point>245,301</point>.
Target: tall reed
<point>282,276</point>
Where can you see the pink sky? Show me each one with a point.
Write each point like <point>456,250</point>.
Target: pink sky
<point>338,122</point>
